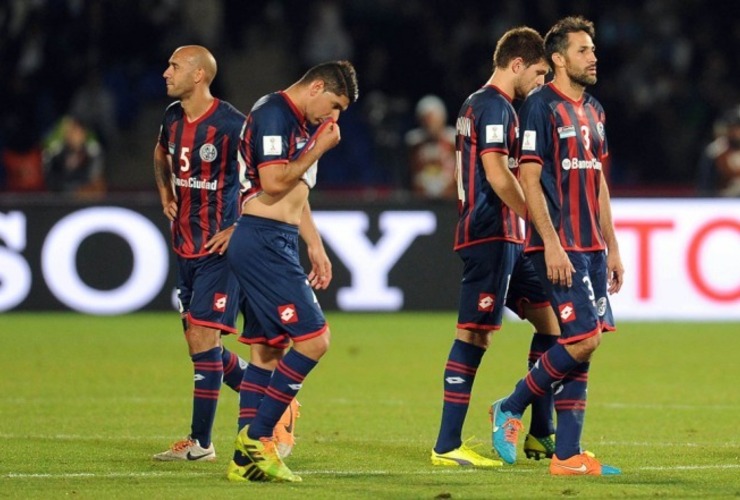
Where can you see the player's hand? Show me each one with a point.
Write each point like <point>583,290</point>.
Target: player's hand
<point>559,267</point>
<point>321,274</point>
<point>328,135</point>
<point>170,209</point>
<point>220,241</point>
<point>615,272</point>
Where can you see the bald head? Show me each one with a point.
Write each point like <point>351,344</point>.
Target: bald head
<point>200,58</point>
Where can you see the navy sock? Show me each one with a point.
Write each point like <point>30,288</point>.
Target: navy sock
<point>251,392</point>
<point>459,375</point>
<point>207,385</point>
<point>541,424</point>
<point>286,381</point>
<point>551,367</point>
<point>570,403</point>
<point>234,368</point>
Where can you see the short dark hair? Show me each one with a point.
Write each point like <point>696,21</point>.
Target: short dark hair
<point>521,42</point>
<point>339,77</point>
<point>556,40</point>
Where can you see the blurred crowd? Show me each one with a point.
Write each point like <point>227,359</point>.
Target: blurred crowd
<point>668,79</point>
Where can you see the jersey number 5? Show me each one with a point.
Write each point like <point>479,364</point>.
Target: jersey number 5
<point>184,159</point>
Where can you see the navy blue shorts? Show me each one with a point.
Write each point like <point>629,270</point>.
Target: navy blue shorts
<point>208,293</point>
<point>583,310</point>
<point>281,305</point>
<point>496,274</point>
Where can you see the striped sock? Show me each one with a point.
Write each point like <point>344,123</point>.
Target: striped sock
<point>234,367</point>
<point>207,385</point>
<point>459,375</point>
<point>551,367</point>
<point>541,424</point>
<point>287,380</point>
<point>251,392</point>
<point>570,403</point>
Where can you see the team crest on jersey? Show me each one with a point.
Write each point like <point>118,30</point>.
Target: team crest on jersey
<point>486,302</point>
<point>288,314</point>
<point>567,312</point>
<point>208,152</point>
<point>219,302</point>
<point>495,133</point>
<point>600,129</point>
<point>272,145</point>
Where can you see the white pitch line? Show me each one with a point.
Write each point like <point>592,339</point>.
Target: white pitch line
<point>441,472</point>
<point>325,439</point>
<point>631,406</point>
<point>692,467</point>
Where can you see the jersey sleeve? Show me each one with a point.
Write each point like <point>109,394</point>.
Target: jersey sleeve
<point>164,132</point>
<point>492,127</point>
<point>601,129</point>
<point>536,139</point>
<point>270,137</point>
<point>170,116</point>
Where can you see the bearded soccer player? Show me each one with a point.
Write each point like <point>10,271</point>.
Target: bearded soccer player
<point>489,240</point>
<point>571,241</point>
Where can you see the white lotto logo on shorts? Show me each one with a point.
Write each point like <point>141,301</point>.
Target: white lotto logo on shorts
<point>288,314</point>
<point>219,302</point>
<point>208,152</point>
<point>495,133</point>
<point>272,145</point>
<point>567,312</point>
<point>529,141</point>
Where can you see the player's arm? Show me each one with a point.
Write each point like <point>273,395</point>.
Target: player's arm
<point>503,182</point>
<point>559,267</point>
<point>163,177</point>
<point>278,178</point>
<point>321,274</point>
<point>615,269</point>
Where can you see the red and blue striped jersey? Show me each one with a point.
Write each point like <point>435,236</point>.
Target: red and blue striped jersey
<point>275,133</point>
<point>487,123</point>
<point>567,138</point>
<point>205,169</point>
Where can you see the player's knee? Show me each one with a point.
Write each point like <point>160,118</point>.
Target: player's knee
<point>478,338</point>
<point>201,339</point>
<point>583,349</point>
<point>316,347</point>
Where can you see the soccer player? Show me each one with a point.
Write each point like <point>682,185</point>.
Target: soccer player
<point>197,173</point>
<point>281,164</point>
<point>570,239</point>
<point>489,240</point>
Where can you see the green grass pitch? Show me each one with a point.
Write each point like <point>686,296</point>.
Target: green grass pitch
<point>85,401</point>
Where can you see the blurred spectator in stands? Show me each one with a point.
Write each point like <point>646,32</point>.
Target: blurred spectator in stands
<point>95,105</point>
<point>431,149</point>
<point>326,37</point>
<point>22,169</point>
<point>719,165</point>
<point>73,160</point>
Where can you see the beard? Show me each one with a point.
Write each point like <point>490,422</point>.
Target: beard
<point>583,78</point>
